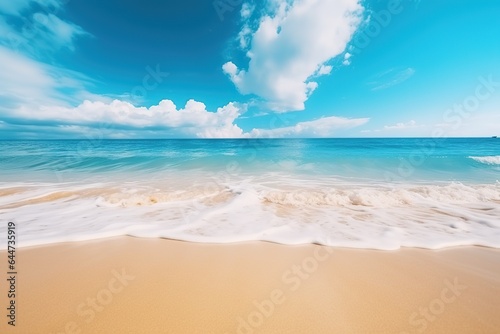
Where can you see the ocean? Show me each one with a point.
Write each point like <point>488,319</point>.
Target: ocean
<point>362,193</point>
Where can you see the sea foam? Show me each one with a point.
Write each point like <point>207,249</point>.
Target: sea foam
<point>489,160</point>
<point>363,193</point>
<point>377,216</point>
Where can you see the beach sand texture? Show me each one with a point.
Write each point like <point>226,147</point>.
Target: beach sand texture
<point>134,285</point>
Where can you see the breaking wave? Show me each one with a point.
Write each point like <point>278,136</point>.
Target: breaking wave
<point>488,160</point>
<point>347,215</point>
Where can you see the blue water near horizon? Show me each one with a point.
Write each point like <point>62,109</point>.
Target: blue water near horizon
<point>474,160</point>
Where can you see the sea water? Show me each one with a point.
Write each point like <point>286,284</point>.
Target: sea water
<point>363,193</point>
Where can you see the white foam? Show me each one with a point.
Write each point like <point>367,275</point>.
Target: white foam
<point>325,211</point>
<point>488,160</point>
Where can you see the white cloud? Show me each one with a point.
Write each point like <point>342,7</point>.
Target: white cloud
<point>391,78</point>
<point>120,119</point>
<point>401,126</point>
<point>15,8</point>
<point>38,97</point>
<point>483,124</point>
<point>323,127</point>
<point>55,31</point>
<point>244,36</point>
<point>192,120</point>
<point>347,59</point>
<point>290,45</point>
<point>246,10</point>
<point>25,81</point>
<point>27,74</point>
<point>324,70</point>
<point>42,32</point>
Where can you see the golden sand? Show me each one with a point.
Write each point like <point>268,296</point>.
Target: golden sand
<point>131,285</point>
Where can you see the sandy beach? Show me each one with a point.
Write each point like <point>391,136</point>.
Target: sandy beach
<point>249,167</point>
<point>133,285</point>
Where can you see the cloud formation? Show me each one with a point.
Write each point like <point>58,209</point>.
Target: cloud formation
<point>15,8</point>
<point>287,48</point>
<point>192,120</point>
<point>42,31</point>
<point>401,126</point>
<point>30,34</point>
<point>120,119</point>
<point>322,127</point>
<point>57,32</point>
<point>390,78</point>
<point>290,45</point>
<point>29,82</point>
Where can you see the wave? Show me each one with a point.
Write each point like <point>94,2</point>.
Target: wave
<point>382,197</point>
<point>488,160</point>
<point>330,213</point>
<point>299,196</point>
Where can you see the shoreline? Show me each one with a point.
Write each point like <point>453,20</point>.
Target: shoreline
<point>132,285</point>
<point>365,217</point>
<point>244,242</point>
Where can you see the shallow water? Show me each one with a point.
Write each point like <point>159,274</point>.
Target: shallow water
<point>365,193</point>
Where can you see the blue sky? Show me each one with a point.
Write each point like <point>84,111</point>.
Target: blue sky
<point>232,68</point>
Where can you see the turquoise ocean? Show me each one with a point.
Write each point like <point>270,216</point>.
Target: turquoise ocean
<point>363,193</point>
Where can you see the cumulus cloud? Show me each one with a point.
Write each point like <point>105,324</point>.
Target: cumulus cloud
<point>244,37</point>
<point>290,45</point>
<point>247,10</point>
<point>347,59</point>
<point>322,127</point>
<point>192,120</point>
<point>120,119</point>
<point>288,48</point>
<point>324,70</point>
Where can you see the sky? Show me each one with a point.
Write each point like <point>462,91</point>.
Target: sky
<point>249,69</point>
